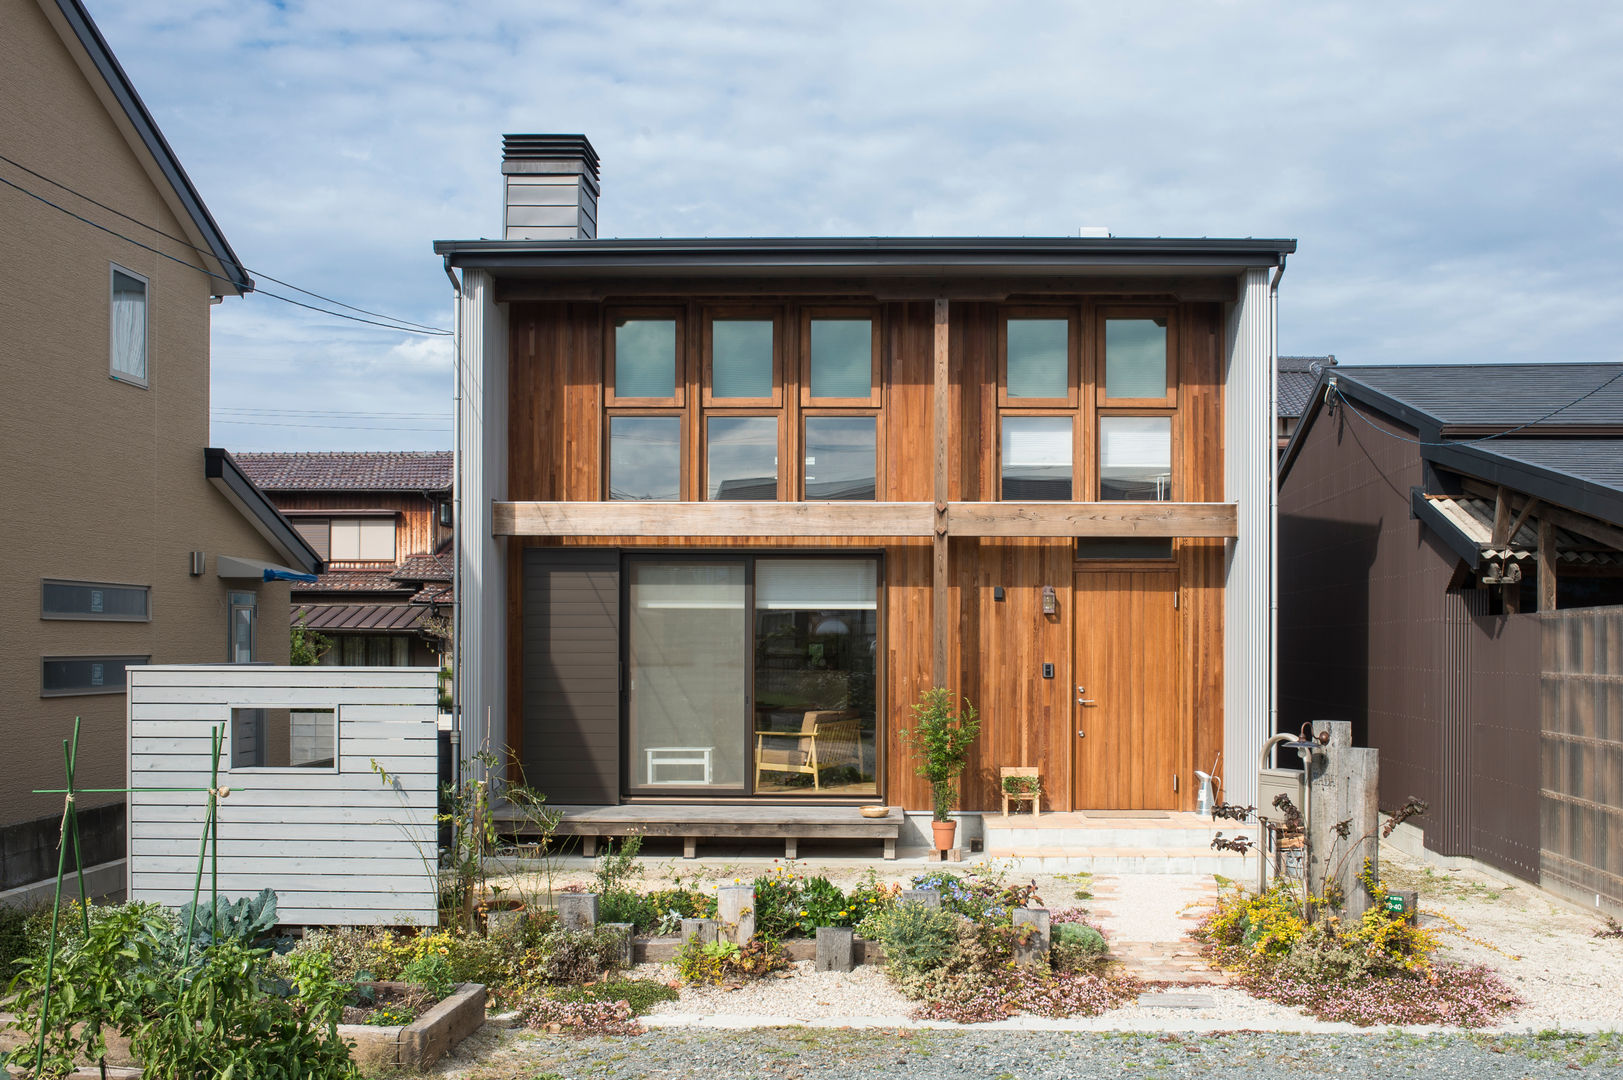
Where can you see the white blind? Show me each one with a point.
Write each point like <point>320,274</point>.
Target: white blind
<point>816,585</point>
<point>689,587</point>
<point>129,326</point>
<point>363,538</point>
<point>1036,440</point>
<point>1135,442</point>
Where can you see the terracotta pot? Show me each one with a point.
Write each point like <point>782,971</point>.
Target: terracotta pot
<point>944,831</point>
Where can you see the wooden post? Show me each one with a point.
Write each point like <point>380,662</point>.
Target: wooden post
<point>704,931</point>
<point>577,911</point>
<point>735,907</point>
<point>628,933</point>
<point>1501,518</point>
<point>941,386</point>
<point>836,948</point>
<point>1344,781</point>
<point>930,898</point>
<point>1546,565</point>
<point>1035,950</point>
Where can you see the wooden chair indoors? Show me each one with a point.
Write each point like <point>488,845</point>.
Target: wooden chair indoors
<point>827,738</point>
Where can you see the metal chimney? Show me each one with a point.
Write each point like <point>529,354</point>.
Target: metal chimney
<point>551,187</point>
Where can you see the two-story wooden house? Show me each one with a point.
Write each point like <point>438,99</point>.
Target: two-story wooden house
<point>730,504</point>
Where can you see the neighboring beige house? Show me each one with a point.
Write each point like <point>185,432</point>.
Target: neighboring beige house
<point>127,542</point>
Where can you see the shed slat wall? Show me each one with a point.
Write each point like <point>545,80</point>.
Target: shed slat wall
<point>338,847</point>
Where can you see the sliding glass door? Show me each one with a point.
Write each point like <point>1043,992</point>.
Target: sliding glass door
<point>752,675</point>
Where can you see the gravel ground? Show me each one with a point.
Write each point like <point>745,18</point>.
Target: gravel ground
<point>792,1053</point>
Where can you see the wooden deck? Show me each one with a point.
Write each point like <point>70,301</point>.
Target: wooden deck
<point>733,821</point>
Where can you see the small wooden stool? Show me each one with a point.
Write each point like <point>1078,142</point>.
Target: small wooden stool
<point>1019,770</point>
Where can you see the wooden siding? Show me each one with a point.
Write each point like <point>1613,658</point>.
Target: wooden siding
<point>338,847</point>
<point>996,648</point>
<point>417,527</point>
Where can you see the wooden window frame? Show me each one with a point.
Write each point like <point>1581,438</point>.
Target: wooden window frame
<point>1078,429</point>
<point>876,380</point>
<point>785,445</point>
<point>1106,312</point>
<point>1175,487</point>
<point>880,487</point>
<point>679,398</point>
<point>741,312</point>
<point>1073,376</point>
<point>684,487</point>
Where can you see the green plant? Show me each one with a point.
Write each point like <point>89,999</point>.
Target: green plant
<point>640,995</point>
<point>617,866</point>
<point>1022,785</point>
<point>1076,947</point>
<point>244,921</point>
<point>305,646</point>
<point>431,972</point>
<point>915,938</point>
<point>717,961</point>
<point>941,735</point>
<point>14,945</point>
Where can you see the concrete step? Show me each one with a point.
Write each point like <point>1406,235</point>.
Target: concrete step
<point>999,835</point>
<point>1121,860</point>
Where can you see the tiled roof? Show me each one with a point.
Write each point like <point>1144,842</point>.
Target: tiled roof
<point>1510,394</point>
<point>355,581</point>
<point>425,568</point>
<point>427,470</point>
<point>1297,376</point>
<point>434,594</point>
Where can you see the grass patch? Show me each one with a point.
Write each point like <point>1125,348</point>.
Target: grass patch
<point>641,994</point>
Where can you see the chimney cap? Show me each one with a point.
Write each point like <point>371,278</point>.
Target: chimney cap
<point>550,148</point>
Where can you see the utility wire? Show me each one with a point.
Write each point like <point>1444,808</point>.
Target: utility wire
<point>220,277</point>
<point>204,251</point>
<point>1334,396</point>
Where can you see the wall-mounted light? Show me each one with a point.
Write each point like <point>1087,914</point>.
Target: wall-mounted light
<point>1050,600</point>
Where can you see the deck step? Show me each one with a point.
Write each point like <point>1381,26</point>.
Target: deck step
<point>999,835</point>
<point>1050,858</point>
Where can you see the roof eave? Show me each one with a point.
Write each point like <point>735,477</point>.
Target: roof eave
<point>226,475</point>
<point>1563,489</point>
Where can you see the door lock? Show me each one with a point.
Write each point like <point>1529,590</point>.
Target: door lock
<point>1081,734</point>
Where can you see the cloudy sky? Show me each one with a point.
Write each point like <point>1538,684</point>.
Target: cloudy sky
<point>1452,171</point>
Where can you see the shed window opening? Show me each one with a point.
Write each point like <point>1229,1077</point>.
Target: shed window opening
<point>129,327</point>
<point>369,539</point>
<point>242,626</point>
<point>92,601</point>
<point>1038,363</point>
<point>741,358</point>
<point>61,676</point>
<point>1135,458</point>
<point>841,457</point>
<point>1037,458</point>
<point>645,458</point>
<point>742,457</point>
<point>645,358</point>
<point>1136,358</point>
<point>841,358</point>
<point>284,737</point>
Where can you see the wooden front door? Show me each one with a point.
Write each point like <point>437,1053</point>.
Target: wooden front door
<point>1128,735</point>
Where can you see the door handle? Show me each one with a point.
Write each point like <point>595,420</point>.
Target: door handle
<point>1087,701</point>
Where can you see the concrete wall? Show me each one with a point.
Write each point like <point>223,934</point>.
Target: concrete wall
<point>104,480</point>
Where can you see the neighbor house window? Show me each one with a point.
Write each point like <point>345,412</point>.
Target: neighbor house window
<point>841,457</point>
<point>368,539</point>
<point>643,360</point>
<point>1037,458</point>
<point>95,601</point>
<point>284,737</point>
<point>129,327</point>
<point>1137,360</point>
<point>371,650</point>
<point>742,360</point>
<point>840,367</point>
<point>1037,361</point>
<point>64,675</point>
<point>244,619</point>
<point>741,457</point>
<point>1135,458</point>
<point>317,532</point>
<point>645,458</point>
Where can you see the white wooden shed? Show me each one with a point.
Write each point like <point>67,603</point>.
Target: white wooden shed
<point>307,814</point>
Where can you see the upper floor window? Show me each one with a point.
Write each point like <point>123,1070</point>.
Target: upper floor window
<point>741,361</point>
<point>1037,458</point>
<point>645,457</point>
<point>128,327</point>
<point>367,539</point>
<point>644,359</point>
<point>741,457</point>
<point>841,358</point>
<point>95,601</point>
<point>1135,458</point>
<point>1137,359</point>
<point>841,457</point>
<point>1038,361</point>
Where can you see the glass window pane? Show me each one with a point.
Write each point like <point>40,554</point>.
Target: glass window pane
<point>1135,358</point>
<point>645,358</point>
<point>283,738</point>
<point>742,460</point>
<point>841,457</point>
<point>816,639</point>
<point>741,358</point>
<point>1135,458</point>
<point>645,457</point>
<point>841,358</point>
<point>129,327</point>
<point>80,600</point>
<point>1039,363</point>
<point>685,652</point>
<point>1036,458</point>
<point>60,675</point>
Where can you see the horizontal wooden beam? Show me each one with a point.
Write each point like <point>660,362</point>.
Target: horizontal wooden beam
<point>998,288</point>
<point>875,519</point>
<point>1124,519</point>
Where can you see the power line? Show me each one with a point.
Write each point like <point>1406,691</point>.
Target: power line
<point>212,274</point>
<point>1334,396</point>
<point>204,251</point>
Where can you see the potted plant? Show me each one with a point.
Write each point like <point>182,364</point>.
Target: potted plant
<point>944,727</point>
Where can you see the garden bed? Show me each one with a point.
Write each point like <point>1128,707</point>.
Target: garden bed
<point>423,1041</point>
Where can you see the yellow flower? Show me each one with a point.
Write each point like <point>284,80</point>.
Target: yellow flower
<point>803,913</point>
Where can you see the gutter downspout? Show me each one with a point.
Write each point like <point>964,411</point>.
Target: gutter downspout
<point>1273,500</point>
<point>456,523</point>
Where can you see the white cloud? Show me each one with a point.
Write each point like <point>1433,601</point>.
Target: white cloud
<point>1450,169</point>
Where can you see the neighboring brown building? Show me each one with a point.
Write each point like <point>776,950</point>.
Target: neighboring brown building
<point>1297,377</point>
<point>1451,583</point>
<point>382,520</point>
<point>126,543</point>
